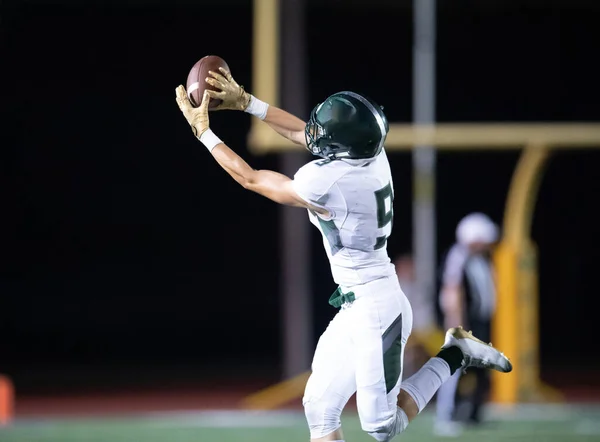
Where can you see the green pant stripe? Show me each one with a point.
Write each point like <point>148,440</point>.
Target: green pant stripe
<point>392,351</point>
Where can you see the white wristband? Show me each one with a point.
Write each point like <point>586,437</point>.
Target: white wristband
<point>209,139</point>
<point>257,107</point>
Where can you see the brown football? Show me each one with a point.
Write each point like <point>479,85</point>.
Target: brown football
<point>196,79</point>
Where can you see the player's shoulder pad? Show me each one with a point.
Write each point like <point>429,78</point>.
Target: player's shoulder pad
<point>313,180</point>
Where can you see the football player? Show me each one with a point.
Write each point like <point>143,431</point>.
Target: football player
<point>348,192</point>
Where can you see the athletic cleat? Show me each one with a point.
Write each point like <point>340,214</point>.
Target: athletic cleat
<point>476,352</point>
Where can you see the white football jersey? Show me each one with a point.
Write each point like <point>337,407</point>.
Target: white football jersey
<point>359,195</point>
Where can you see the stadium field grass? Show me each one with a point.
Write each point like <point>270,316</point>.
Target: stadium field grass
<point>525,424</point>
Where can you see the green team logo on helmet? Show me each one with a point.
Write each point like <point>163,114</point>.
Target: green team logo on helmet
<point>346,125</point>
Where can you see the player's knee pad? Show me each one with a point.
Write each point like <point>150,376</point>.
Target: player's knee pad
<point>323,418</point>
<point>386,429</point>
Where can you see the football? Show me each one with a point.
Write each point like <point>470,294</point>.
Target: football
<point>196,83</point>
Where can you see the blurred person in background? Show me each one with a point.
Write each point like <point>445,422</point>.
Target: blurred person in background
<point>467,297</point>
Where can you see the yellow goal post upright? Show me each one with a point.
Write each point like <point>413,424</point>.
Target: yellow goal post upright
<point>515,326</point>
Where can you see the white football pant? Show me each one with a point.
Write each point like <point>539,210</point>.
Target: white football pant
<point>361,352</point>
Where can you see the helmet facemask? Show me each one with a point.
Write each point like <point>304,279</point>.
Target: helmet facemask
<point>325,121</point>
<point>314,133</point>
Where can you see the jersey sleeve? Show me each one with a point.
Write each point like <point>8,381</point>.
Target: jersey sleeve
<point>312,183</point>
<point>454,266</point>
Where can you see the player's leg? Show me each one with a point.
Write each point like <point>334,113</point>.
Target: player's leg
<point>478,398</point>
<point>460,350</point>
<point>378,342</point>
<point>481,329</point>
<point>383,319</point>
<point>332,382</point>
<point>445,406</point>
<point>385,405</point>
<point>446,398</point>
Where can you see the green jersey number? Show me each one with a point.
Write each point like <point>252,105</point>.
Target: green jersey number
<point>385,215</point>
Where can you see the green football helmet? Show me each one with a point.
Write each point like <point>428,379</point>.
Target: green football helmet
<point>346,125</point>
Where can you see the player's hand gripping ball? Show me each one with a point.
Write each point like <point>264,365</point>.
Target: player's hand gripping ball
<point>197,117</point>
<point>212,73</point>
<point>230,94</point>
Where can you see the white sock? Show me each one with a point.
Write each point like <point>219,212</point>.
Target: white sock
<point>424,383</point>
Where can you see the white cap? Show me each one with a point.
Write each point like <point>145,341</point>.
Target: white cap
<point>476,227</point>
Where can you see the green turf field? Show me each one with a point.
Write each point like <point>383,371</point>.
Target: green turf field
<point>526,424</point>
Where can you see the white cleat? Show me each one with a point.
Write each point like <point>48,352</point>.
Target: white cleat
<point>476,352</point>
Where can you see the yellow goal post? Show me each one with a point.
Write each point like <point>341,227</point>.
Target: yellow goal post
<point>516,324</point>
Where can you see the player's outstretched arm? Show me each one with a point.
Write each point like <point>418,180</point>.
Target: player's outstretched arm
<point>273,185</point>
<point>233,96</point>
<point>270,184</point>
<point>286,124</point>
